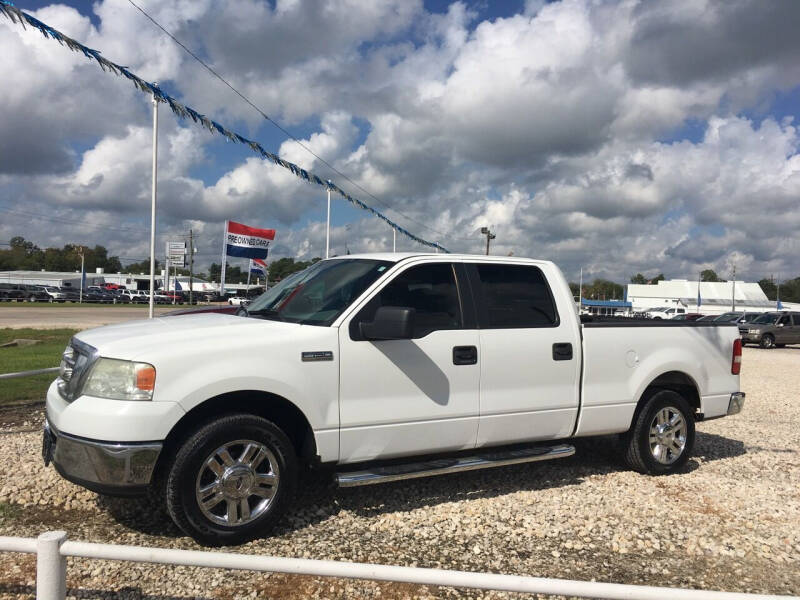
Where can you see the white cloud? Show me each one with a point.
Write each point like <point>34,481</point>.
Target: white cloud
<point>544,125</point>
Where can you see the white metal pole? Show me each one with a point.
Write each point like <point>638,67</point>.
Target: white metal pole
<point>153,206</point>
<point>51,567</point>
<point>224,261</point>
<point>328,227</point>
<point>580,293</point>
<point>394,239</point>
<point>733,290</point>
<point>83,277</point>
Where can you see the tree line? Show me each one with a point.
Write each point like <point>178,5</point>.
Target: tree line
<point>23,255</point>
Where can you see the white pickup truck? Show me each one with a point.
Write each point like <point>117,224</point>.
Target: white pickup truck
<point>382,367</point>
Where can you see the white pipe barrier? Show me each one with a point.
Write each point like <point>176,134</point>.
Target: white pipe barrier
<point>29,373</point>
<point>52,548</point>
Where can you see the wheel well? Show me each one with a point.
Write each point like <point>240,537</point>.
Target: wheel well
<point>676,381</point>
<point>275,408</point>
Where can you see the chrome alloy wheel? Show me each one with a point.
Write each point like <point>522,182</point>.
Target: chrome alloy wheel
<point>668,435</point>
<point>236,491</point>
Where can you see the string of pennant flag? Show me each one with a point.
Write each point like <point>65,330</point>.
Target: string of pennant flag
<point>23,19</point>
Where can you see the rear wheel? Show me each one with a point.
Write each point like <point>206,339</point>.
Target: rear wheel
<point>767,341</point>
<point>231,481</point>
<point>662,436</point>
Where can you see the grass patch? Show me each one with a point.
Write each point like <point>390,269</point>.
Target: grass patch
<point>8,511</point>
<point>26,358</point>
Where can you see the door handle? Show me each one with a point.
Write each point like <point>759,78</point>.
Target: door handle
<point>562,351</point>
<point>465,355</point>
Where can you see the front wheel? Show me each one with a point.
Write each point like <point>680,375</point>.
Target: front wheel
<point>767,341</point>
<point>231,481</point>
<point>662,436</point>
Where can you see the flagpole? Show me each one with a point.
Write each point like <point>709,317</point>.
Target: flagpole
<point>224,256</point>
<point>394,239</point>
<point>249,266</point>
<point>328,227</point>
<point>580,293</point>
<point>153,206</point>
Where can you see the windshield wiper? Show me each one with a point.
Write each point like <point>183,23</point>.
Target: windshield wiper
<point>266,313</point>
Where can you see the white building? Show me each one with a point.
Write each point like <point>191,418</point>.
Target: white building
<point>70,279</point>
<point>715,297</point>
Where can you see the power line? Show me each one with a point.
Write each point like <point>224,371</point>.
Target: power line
<point>281,128</point>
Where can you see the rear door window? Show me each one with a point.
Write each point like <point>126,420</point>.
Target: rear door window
<point>515,297</point>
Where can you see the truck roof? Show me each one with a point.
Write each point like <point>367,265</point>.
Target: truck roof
<point>398,256</point>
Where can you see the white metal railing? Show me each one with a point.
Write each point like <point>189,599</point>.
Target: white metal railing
<point>28,373</point>
<point>52,548</point>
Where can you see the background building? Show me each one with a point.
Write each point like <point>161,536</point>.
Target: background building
<point>715,297</point>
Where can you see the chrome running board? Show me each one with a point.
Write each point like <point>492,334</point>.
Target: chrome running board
<point>440,466</point>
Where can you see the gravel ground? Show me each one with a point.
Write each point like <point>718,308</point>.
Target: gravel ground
<point>731,521</point>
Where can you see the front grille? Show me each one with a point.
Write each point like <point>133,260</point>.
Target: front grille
<point>76,360</point>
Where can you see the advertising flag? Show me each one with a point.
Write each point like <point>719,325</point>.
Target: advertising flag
<point>247,242</point>
<point>258,267</point>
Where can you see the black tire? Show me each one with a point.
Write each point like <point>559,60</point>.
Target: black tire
<point>186,474</point>
<point>638,452</point>
<point>767,341</point>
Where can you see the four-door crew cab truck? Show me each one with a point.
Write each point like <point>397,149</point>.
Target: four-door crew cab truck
<point>383,367</point>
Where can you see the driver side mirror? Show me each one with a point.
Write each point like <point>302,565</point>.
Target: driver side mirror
<point>390,323</point>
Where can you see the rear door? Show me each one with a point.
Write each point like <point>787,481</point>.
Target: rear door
<point>530,355</point>
<point>783,330</point>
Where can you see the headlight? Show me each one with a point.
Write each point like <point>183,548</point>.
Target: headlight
<point>753,331</point>
<point>121,380</point>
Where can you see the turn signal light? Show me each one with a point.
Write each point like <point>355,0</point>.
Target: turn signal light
<point>146,378</point>
<point>736,360</point>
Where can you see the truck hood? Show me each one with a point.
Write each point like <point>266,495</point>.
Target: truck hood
<point>148,339</point>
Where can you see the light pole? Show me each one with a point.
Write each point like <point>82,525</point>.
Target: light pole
<point>328,225</point>
<point>153,207</point>
<point>83,278</point>
<point>489,237</point>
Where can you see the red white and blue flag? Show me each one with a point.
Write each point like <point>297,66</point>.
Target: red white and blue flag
<point>258,267</point>
<point>247,242</point>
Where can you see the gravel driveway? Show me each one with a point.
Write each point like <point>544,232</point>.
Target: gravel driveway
<point>731,521</point>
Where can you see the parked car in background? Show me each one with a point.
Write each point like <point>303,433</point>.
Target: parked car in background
<point>772,330</point>
<point>35,293</point>
<point>137,296</point>
<point>687,317</point>
<point>239,301</point>
<point>12,292</point>
<point>737,317</point>
<point>664,312</point>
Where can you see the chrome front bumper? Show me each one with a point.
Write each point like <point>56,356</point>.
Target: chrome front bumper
<point>736,403</point>
<point>104,467</point>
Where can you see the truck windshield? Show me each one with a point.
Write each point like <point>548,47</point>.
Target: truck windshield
<point>766,318</point>
<point>319,294</point>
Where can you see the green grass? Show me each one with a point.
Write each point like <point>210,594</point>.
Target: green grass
<point>26,358</point>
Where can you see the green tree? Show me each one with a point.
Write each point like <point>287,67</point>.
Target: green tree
<point>639,278</point>
<point>709,275</point>
<point>657,278</point>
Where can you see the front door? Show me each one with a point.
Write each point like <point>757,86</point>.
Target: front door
<point>404,397</point>
<point>530,356</point>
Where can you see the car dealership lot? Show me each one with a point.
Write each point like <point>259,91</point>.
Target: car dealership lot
<point>731,521</point>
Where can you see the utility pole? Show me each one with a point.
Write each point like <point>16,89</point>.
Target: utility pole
<point>394,239</point>
<point>489,237</point>
<point>191,267</point>
<point>733,290</point>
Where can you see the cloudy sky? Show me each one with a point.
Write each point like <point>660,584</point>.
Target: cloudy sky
<point>621,137</point>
